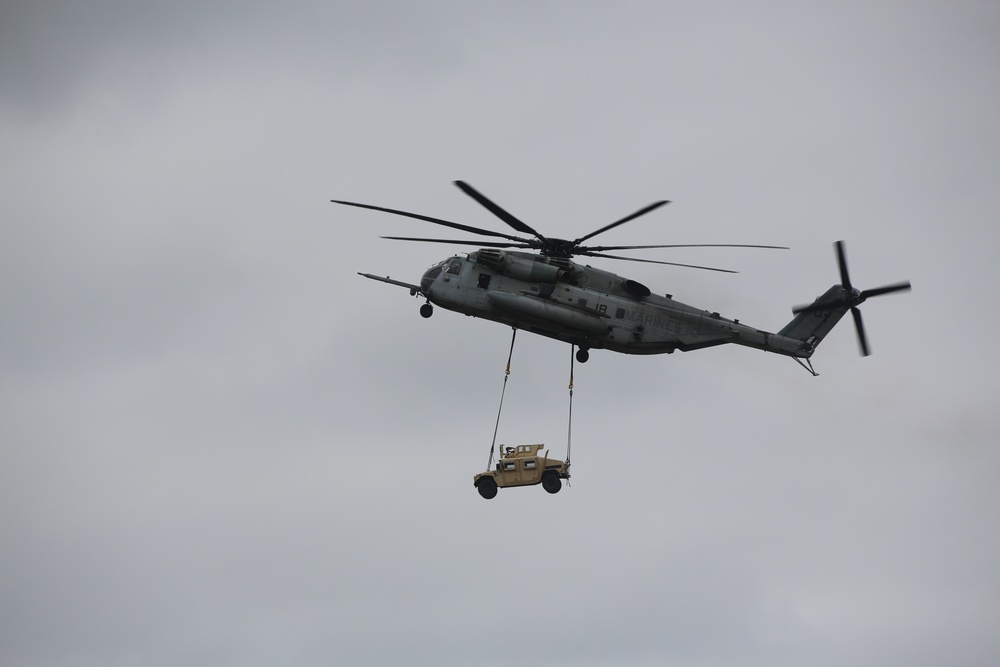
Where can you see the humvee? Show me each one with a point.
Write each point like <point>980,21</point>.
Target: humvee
<point>522,466</point>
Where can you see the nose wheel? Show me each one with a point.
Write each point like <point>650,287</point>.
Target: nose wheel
<point>426,310</point>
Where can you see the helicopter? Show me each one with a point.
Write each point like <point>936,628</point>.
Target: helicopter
<point>532,283</point>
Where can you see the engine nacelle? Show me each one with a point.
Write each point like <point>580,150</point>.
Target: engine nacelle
<point>529,270</point>
<point>520,268</point>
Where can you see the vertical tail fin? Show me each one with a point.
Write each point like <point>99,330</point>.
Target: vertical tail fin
<point>818,319</point>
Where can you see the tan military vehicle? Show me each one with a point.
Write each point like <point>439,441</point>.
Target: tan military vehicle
<point>522,466</point>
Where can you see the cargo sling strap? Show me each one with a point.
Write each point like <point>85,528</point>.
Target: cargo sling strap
<point>489,466</point>
<point>503,392</point>
<point>569,426</point>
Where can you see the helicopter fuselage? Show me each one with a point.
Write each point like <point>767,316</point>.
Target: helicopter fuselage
<point>549,294</point>
<point>588,307</point>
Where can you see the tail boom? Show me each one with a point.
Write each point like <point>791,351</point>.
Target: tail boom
<point>800,337</point>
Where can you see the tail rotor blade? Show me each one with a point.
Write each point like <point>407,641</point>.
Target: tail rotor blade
<point>845,278</point>
<point>888,289</point>
<point>862,338</point>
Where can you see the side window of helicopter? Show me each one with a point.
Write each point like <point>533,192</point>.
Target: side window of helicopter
<point>620,313</point>
<point>484,281</point>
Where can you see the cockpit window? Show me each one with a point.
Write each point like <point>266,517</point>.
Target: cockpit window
<point>455,266</point>
<point>428,279</point>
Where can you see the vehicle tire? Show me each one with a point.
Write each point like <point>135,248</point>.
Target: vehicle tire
<point>487,487</point>
<point>426,310</point>
<point>582,355</point>
<point>551,483</point>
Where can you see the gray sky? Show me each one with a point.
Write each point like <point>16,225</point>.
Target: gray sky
<point>220,446</point>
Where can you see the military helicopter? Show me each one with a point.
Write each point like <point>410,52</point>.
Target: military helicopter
<point>549,294</point>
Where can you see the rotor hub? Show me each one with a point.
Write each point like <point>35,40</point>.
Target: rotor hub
<point>558,248</point>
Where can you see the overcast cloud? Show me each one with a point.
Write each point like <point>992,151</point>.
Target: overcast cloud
<point>220,446</point>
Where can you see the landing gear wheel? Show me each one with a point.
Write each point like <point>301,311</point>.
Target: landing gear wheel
<point>550,483</point>
<point>426,310</point>
<point>488,487</point>
<point>582,355</point>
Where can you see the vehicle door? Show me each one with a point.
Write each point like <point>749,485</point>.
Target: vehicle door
<point>510,472</point>
<point>530,470</point>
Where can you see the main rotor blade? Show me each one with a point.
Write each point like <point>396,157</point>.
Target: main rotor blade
<point>601,248</point>
<point>642,211</point>
<point>481,244</point>
<point>653,261</point>
<point>436,221</point>
<point>862,338</point>
<point>496,210</point>
<point>888,289</point>
<point>845,278</point>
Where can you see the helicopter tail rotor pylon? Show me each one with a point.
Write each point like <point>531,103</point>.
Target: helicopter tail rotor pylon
<point>812,322</point>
